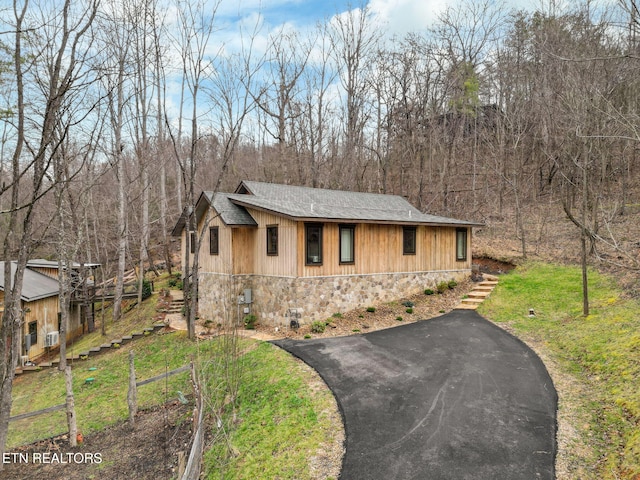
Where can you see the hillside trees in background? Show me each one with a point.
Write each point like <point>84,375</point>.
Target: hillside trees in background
<point>489,115</point>
<point>48,54</point>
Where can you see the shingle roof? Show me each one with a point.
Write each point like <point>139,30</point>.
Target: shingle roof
<point>230,213</point>
<point>35,285</point>
<point>305,203</point>
<point>318,203</point>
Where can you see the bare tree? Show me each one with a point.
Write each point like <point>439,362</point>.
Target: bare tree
<point>53,51</point>
<point>355,40</point>
<point>286,62</point>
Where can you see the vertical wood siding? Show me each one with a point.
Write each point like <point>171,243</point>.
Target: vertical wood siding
<point>283,264</point>
<point>378,249</point>
<point>221,263</point>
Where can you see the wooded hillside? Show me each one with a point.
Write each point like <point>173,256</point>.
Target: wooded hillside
<point>116,115</point>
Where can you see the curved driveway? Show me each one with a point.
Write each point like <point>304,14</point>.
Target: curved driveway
<point>454,397</point>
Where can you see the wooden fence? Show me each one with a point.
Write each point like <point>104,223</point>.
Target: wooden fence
<point>35,413</point>
<point>131,396</point>
<point>190,471</point>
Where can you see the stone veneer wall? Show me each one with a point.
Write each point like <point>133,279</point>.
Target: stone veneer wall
<point>317,297</point>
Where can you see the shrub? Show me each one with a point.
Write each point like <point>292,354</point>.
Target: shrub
<point>452,284</point>
<point>408,304</point>
<point>442,287</point>
<point>250,322</point>
<point>147,289</point>
<point>337,315</point>
<point>172,282</point>
<point>307,336</point>
<point>399,319</point>
<point>356,330</point>
<point>428,291</point>
<point>409,310</point>
<point>371,309</point>
<point>318,327</point>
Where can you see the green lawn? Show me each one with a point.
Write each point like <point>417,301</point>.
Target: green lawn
<point>280,421</point>
<point>272,427</point>
<point>102,402</point>
<point>600,352</point>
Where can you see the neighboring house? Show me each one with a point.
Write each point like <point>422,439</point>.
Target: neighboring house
<point>315,251</point>
<point>40,308</point>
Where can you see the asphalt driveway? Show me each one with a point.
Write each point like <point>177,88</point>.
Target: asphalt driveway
<point>454,397</point>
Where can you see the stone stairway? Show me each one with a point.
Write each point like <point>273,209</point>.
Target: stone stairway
<point>92,351</point>
<point>480,291</point>
<point>177,303</point>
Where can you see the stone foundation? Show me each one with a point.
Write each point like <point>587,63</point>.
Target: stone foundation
<point>317,298</point>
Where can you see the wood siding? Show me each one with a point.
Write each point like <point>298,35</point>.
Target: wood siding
<point>378,249</point>
<point>283,264</point>
<point>45,313</point>
<point>221,263</point>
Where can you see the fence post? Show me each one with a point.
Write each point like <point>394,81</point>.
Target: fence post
<point>192,470</point>
<point>132,395</point>
<point>71,411</point>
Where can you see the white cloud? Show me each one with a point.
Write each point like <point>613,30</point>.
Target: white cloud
<point>403,16</point>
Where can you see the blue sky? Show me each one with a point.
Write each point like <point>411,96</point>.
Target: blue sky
<point>399,16</point>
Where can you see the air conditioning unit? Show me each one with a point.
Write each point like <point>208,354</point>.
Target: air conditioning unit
<point>51,339</point>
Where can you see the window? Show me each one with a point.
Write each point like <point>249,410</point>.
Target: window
<point>33,335</point>
<point>272,240</point>
<point>214,240</point>
<point>313,240</point>
<point>347,243</point>
<point>192,241</point>
<point>461,244</point>
<point>408,240</point>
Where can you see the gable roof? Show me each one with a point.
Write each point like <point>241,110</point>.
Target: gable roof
<point>312,204</point>
<point>35,285</point>
<point>231,214</point>
<point>305,203</point>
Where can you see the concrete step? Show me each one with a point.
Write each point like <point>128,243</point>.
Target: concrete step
<point>484,288</point>
<point>481,295</point>
<point>465,306</point>
<point>477,301</point>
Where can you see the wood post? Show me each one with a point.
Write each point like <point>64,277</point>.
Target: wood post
<point>71,412</point>
<point>132,395</point>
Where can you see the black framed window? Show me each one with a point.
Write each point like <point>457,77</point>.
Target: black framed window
<point>461,244</point>
<point>408,240</point>
<point>192,242</point>
<point>214,240</point>
<point>347,243</point>
<point>272,240</point>
<point>313,242</point>
<point>33,334</point>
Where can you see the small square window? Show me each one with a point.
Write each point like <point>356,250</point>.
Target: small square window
<point>461,244</point>
<point>347,243</point>
<point>409,240</point>
<point>272,240</point>
<point>214,240</point>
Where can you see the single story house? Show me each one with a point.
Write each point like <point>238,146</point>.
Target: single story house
<point>40,307</point>
<point>314,252</point>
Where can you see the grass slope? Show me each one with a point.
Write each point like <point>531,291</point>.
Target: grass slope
<point>281,422</point>
<point>601,352</point>
<point>102,402</point>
